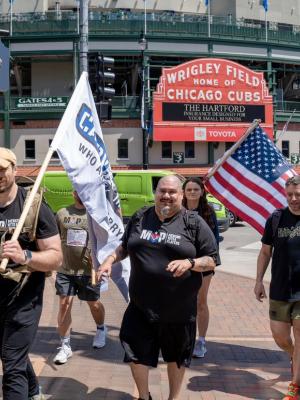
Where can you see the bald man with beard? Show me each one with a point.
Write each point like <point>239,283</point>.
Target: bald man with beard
<point>166,264</point>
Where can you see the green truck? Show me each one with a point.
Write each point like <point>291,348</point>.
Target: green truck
<point>136,189</point>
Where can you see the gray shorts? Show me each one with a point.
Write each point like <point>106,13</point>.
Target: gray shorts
<point>77,285</point>
<point>284,311</point>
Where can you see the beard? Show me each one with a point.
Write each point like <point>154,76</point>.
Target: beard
<point>165,211</point>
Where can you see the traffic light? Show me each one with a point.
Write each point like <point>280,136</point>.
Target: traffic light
<point>104,90</point>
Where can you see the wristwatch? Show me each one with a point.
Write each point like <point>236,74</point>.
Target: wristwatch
<point>28,256</point>
<point>192,261</point>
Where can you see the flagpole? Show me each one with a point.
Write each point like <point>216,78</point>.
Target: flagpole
<point>11,7</point>
<point>208,15</point>
<point>28,204</point>
<point>266,25</point>
<point>232,149</point>
<point>286,125</point>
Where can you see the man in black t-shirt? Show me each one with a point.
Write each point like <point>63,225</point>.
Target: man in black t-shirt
<point>167,254</point>
<point>21,301</point>
<point>282,238</point>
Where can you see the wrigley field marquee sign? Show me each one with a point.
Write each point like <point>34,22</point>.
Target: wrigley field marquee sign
<point>210,99</point>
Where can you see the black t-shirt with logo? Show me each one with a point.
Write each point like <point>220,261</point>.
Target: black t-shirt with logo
<point>285,282</point>
<point>152,245</point>
<point>46,227</point>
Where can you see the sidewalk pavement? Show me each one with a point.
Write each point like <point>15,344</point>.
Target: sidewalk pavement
<point>242,360</point>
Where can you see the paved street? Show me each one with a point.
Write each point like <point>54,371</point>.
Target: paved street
<point>242,360</point>
<point>239,250</point>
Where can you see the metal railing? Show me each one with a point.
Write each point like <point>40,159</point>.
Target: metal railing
<point>288,106</point>
<point>117,23</point>
<point>123,106</point>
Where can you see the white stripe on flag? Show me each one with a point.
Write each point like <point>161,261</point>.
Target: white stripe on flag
<point>257,180</point>
<point>245,190</point>
<point>236,202</point>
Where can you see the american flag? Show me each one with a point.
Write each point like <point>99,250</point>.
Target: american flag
<point>251,181</point>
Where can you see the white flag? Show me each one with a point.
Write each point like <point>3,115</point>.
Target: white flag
<point>79,144</point>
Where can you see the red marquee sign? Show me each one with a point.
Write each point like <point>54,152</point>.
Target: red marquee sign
<point>210,100</point>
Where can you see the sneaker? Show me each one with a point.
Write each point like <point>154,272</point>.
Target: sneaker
<point>293,392</point>
<point>199,349</point>
<point>38,396</point>
<point>62,356</point>
<point>100,338</point>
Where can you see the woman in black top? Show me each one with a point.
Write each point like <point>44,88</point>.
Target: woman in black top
<point>195,199</point>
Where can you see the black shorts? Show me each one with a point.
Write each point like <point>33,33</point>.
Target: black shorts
<point>142,340</point>
<point>80,285</point>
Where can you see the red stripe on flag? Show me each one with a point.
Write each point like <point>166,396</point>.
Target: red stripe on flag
<point>285,177</point>
<point>253,222</point>
<point>276,185</point>
<point>242,197</point>
<point>251,185</point>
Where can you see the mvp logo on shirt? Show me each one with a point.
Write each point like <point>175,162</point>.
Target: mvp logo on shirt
<point>160,237</point>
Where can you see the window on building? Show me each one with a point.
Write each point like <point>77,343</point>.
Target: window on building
<point>228,145</point>
<point>122,148</point>
<point>296,84</point>
<point>285,148</point>
<point>54,155</point>
<point>189,149</point>
<point>30,149</point>
<point>166,149</point>
<point>20,77</point>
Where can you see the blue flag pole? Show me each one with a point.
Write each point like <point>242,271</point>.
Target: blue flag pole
<point>266,6</point>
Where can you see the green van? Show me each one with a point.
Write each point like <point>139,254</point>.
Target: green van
<point>135,187</point>
<point>58,189</point>
<point>221,213</point>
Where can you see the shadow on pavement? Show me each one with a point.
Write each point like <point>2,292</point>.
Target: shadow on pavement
<point>68,388</point>
<point>47,342</point>
<point>238,224</point>
<point>240,370</point>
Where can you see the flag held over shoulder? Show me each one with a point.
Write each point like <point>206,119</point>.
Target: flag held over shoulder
<point>80,146</point>
<point>251,181</point>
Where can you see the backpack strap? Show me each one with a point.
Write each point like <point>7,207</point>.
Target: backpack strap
<point>191,222</point>
<point>276,215</point>
<point>138,215</point>
<point>20,273</point>
<point>32,217</point>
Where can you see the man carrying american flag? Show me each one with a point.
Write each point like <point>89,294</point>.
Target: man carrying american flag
<point>281,242</point>
<point>255,180</point>
<point>250,179</point>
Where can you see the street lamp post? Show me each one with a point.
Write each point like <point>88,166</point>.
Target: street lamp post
<point>84,35</point>
<point>143,46</point>
<point>4,84</point>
